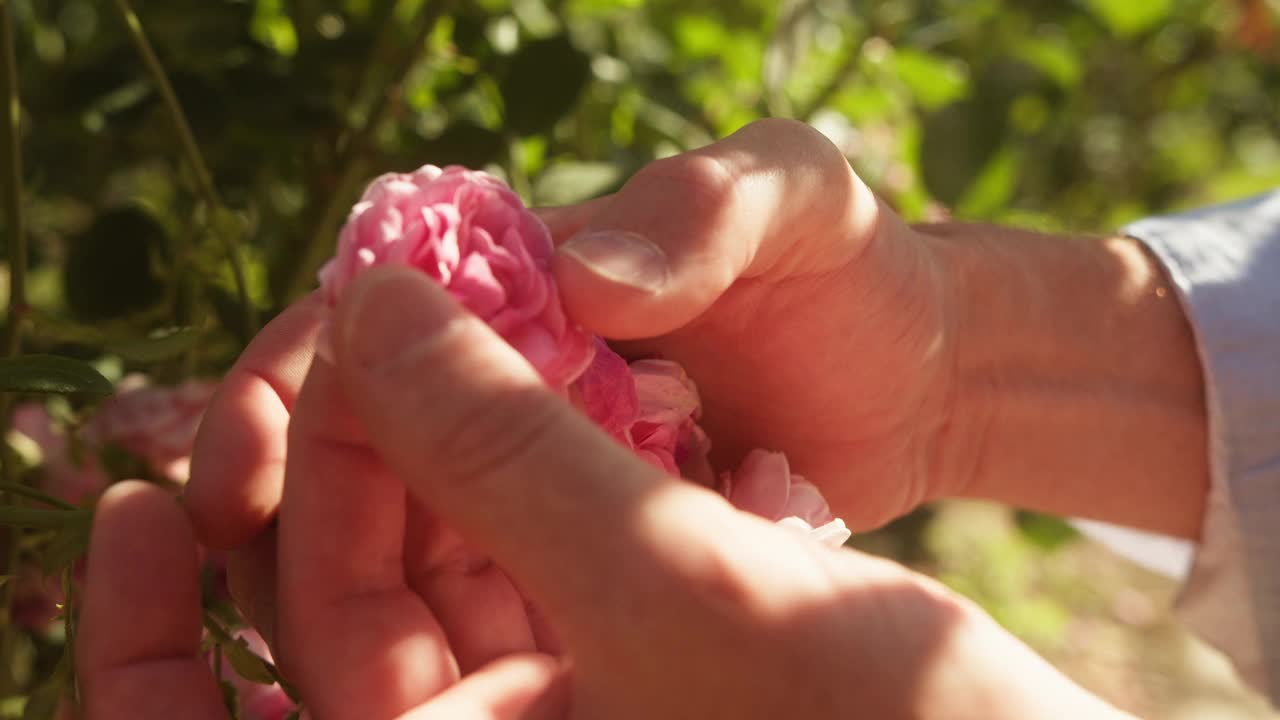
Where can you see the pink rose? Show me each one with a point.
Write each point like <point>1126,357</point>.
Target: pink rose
<point>157,424</point>
<point>469,232</point>
<point>763,485</point>
<point>62,476</point>
<point>650,406</point>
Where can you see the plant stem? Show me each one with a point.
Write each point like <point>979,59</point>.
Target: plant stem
<point>17,255</point>
<point>34,494</point>
<point>204,179</point>
<point>69,632</point>
<point>13,209</point>
<point>326,229</point>
<point>351,146</point>
<point>189,147</point>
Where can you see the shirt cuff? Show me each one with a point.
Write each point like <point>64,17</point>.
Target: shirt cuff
<point>1225,263</point>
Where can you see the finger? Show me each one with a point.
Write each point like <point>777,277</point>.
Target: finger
<point>545,637</point>
<point>566,220</point>
<point>356,639</point>
<point>138,646</point>
<point>520,687</point>
<point>237,468</point>
<point>482,614</point>
<point>683,229</point>
<point>471,427</point>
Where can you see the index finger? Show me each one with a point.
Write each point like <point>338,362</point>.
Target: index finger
<point>237,468</point>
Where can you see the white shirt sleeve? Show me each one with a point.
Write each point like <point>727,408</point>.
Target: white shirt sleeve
<point>1225,262</point>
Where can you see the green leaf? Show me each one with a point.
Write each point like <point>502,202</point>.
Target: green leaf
<point>272,27</point>
<point>69,545</point>
<point>51,374</point>
<point>1045,531</point>
<point>30,492</point>
<point>157,347</point>
<point>993,187</point>
<point>934,81</point>
<point>1130,17</point>
<point>699,36</point>
<point>247,664</point>
<point>1054,57</point>
<point>41,518</point>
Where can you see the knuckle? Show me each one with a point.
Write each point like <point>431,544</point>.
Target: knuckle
<point>703,180</point>
<point>801,144</point>
<point>786,128</point>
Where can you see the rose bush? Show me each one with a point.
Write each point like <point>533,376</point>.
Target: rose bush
<point>156,426</point>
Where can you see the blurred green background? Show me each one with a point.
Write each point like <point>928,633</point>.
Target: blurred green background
<point>1053,114</point>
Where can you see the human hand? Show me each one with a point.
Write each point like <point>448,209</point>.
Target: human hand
<point>138,645</point>
<point>897,364</point>
<point>237,466</point>
<point>813,319</point>
<point>845,372</point>
<point>670,603</point>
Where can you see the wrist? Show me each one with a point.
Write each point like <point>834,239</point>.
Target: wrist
<point>1077,387</point>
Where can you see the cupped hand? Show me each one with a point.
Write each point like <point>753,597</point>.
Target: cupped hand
<point>814,321</point>
<point>669,602</point>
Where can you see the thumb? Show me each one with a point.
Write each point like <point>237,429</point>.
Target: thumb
<point>476,434</point>
<point>774,199</point>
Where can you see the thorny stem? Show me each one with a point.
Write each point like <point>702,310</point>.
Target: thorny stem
<point>204,179</point>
